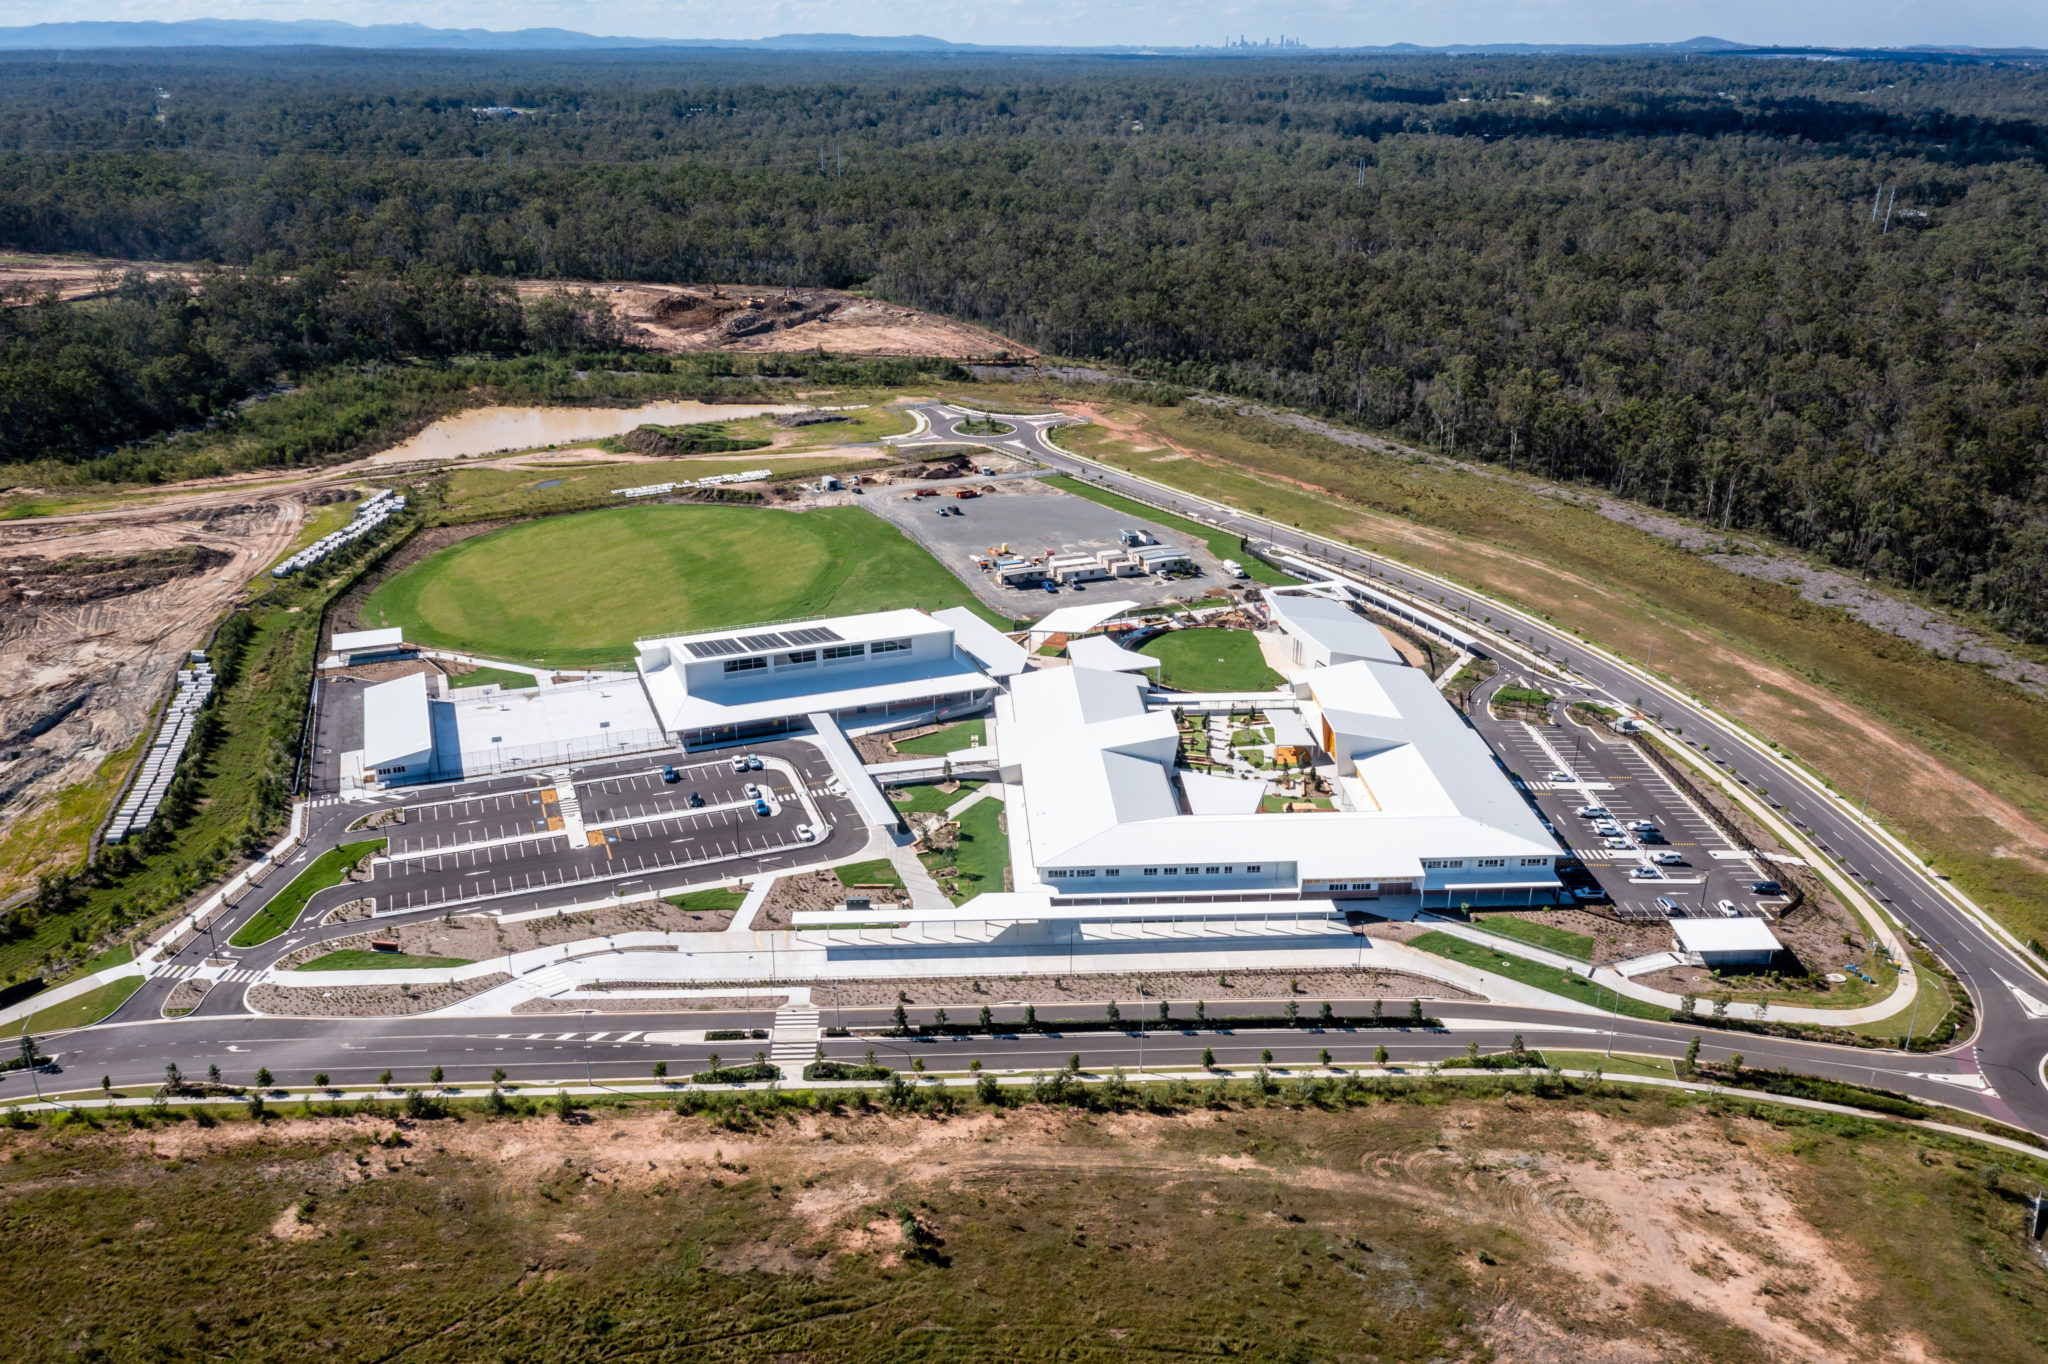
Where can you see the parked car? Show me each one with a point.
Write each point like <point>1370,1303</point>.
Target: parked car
<point>1645,874</point>
<point>696,800</point>
<point>1765,888</point>
<point>739,764</point>
<point>1562,776</point>
<point>1670,859</point>
<point>1051,586</point>
<point>1592,812</point>
<point>761,808</point>
<point>754,762</point>
<point>668,774</point>
<point>1643,826</point>
<point>1617,844</point>
<point>1728,909</point>
<point>1588,893</point>
<point>1668,905</point>
<point>1651,836</point>
<point>806,833</point>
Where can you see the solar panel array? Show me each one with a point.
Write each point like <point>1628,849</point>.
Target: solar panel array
<point>755,644</point>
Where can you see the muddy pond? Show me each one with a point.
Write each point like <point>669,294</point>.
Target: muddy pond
<point>495,430</point>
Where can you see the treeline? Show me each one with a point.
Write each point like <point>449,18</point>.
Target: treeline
<point>1671,279</point>
<point>158,354</point>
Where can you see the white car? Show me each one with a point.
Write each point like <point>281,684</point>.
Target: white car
<point>754,762</point>
<point>1643,826</point>
<point>1617,844</point>
<point>739,764</point>
<point>1592,812</point>
<point>1728,909</point>
<point>1670,859</point>
<point>807,833</point>
<point>1645,874</point>
<point>753,791</point>
<point>1607,827</point>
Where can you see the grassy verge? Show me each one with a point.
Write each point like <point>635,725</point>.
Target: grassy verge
<point>1222,544</point>
<point>501,677</point>
<point>356,959</point>
<point>328,869</point>
<point>1618,1064</point>
<point>1550,978</point>
<point>943,741</point>
<point>879,872</point>
<point>79,1012</point>
<point>709,901</point>
<point>977,864</point>
<point>56,829</point>
<point>1533,931</point>
<point>1206,660</point>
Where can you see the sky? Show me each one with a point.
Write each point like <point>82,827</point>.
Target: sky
<point>1322,23</point>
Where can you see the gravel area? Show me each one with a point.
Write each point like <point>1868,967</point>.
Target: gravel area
<point>185,996</point>
<point>642,1004</point>
<point>1216,989</point>
<point>806,890</point>
<point>477,937</point>
<point>366,1001</point>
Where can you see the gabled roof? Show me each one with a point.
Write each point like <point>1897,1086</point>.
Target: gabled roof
<point>995,651</point>
<point>1346,634</point>
<point>1106,655</point>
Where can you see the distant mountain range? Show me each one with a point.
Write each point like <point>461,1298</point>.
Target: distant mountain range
<point>89,34</point>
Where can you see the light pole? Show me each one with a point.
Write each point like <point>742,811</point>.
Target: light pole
<point>585,1015</point>
<point>1141,1029</point>
<point>1863,810</point>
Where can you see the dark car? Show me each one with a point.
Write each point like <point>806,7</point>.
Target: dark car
<point>668,774</point>
<point>1765,888</point>
<point>696,799</point>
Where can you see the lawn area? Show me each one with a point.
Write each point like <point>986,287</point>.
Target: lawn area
<point>927,798</point>
<point>977,864</point>
<point>709,901</point>
<point>879,872</point>
<point>1617,1064</point>
<point>1551,978</point>
<point>1222,544</point>
<point>1537,934</point>
<point>950,739</point>
<point>1211,660</point>
<point>356,959</point>
<point>503,677</point>
<point>80,1011</point>
<point>328,869</point>
<point>576,590</point>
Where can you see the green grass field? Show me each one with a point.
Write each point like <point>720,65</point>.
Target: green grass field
<point>977,864</point>
<point>952,738</point>
<point>879,872</point>
<point>282,912</point>
<point>355,959</point>
<point>1211,660</point>
<point>709,901</point>
<point>930,799</point>
<point>576,590</point>
<point>79,1011</point>
<point>1530,931</point>
<point>484,677</point>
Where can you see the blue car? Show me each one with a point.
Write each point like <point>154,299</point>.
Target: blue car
<point>1051,586</point>
<point>761,807</point>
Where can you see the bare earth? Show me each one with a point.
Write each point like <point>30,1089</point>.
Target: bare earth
<point>366,1001</point>
<point>1220,991</point>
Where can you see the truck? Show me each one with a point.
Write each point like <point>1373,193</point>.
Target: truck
<point>1233,568</point>
<point>964,493</point>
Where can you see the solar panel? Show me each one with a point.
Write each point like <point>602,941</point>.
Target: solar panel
<point>713,648</point>
<point>761,643</point>
<point>812,634</point>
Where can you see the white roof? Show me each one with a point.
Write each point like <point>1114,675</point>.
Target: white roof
<point>353,641</point>
<point>860,629</point>
<point>1096,766</point>
<point>1079,620</point>
<point>1288,730</point>
<point>1104,653</point>
<point>395,723</point>
<point>796,693</point>
<point>1346,634</point>
<point>1724,935</point>
<point>994,650</point>
<point>584,720</point>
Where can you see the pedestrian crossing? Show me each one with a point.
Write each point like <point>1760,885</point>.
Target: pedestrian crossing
<point>795,1035</point>
<point>239,976</point>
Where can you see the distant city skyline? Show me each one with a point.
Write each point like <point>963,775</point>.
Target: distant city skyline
<point>1315,23</point>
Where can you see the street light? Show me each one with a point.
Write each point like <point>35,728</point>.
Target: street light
<point>585,1015</point>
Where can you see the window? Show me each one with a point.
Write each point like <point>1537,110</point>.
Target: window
<point>836,652</point>
<point>1213,871</point>
<point>744,665</point>
<point>1085,871</point>
<point>800,658</point>
<point>1493,861</point>
<point>1535,861</point>
<point>1194,871</point>
<point>1151,871</point>
<point>889,646</point>
<point>1251,869</point>
<point>1114,871</point>
<point>1442,863</point>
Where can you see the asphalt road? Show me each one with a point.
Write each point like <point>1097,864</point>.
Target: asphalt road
<point>2011,1042</point>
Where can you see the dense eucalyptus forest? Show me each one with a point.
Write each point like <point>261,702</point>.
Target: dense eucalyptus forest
<point>1804,298</point>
